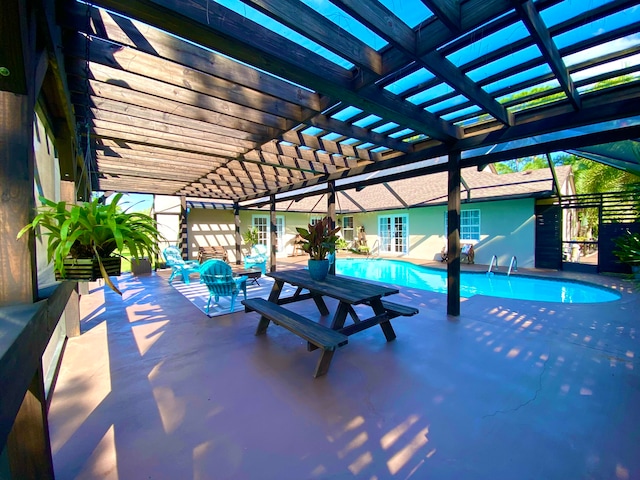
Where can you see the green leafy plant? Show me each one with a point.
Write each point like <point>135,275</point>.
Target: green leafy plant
<point>342,244</point>
<point>250,237</point>
<point>319,240</point>
<point>628,248</point>
<point>93,230</point>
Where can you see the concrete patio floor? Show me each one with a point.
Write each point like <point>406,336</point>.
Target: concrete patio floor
<point>154,389</point>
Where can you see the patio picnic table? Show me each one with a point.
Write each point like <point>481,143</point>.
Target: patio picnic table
<point>348,291</point>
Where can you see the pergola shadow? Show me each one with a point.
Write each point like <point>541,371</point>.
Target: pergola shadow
<point>157,389</point>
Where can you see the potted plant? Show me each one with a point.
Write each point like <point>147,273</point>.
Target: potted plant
<point>628,250</point>
<point>250,237</point>
<point>319,241</point>
<point>82,238</point>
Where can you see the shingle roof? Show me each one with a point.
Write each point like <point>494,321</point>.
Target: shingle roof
<point>431,189</point>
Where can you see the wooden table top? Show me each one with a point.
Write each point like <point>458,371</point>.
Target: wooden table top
<point>345,289</point>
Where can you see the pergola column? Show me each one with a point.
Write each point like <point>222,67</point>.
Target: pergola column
<point>238,237</point>
<point>25,451</point>
<point>274,232</point>
<point>331,213</point>
<point>183,241</point>
<point>453,235</point>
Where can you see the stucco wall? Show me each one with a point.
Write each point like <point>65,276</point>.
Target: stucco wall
<point>507,228</point>
<point>211,228</point>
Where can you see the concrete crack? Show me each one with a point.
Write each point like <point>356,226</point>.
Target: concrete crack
<point>532,399</point>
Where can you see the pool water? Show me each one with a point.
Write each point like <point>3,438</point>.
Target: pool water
<point>435,280</point>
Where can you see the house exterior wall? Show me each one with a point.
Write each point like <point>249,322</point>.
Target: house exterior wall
<point>507,228</point>
<point>212,228</point>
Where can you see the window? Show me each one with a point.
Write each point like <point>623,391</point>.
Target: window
<point>469,225</point>
<point>280,233</point>
<point>347,228</point>
<point>261,222</point>
<point>393,233</point>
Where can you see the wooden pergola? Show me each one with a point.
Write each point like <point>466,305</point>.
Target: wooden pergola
<point>246,101</point>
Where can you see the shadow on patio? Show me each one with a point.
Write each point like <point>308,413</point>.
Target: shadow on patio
<point>153,388</point>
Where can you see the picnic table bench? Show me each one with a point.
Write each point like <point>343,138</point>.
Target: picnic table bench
<point>349,292</point>
<point>314,333</point>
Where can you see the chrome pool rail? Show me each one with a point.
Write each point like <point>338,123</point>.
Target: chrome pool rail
<point>371,250</point>
<point>494,261</point>
<point>513,265</point>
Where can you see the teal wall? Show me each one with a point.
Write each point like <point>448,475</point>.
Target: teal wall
<point>507,228</point>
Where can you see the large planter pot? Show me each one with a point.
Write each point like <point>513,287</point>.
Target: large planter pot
<point>88,269</point>
<point>140,266</point>
<point>318,269</point>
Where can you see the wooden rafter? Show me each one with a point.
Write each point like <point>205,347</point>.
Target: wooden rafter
<point>224,30</point>
<point>540,33</point>
<point>448,12</point>
<point>375,16</point>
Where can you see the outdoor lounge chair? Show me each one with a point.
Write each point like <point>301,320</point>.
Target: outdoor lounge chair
<point>257,258</point>
<point>218,277</point>
<point>213,251</point>
<point>466,253</point>
<point>173,258</point>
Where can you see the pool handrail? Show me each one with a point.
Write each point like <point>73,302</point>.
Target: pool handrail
<point>514,262</point>
<point>372,248</point>
<point>494,261</point>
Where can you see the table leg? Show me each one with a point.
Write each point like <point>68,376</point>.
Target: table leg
<point>322,307</point>
<point>323,363</point>
<point>336,324</point>
<point>340,316</point>
<point>386,327</point>
<point>275,291</point>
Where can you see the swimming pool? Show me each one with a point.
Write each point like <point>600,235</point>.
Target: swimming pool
<point>435,280</point>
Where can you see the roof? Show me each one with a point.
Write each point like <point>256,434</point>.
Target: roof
<point>430,190</point>
<point>240,100</point>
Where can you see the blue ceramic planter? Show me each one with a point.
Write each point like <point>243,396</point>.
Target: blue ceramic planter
<point>318,269</point>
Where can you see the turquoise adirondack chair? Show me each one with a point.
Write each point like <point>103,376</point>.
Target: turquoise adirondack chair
<point>218,277</point>
<point>173,258</point>
<point>257,258</point>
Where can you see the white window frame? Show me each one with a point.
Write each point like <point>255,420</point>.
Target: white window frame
<point>280,233</point>
<point>262,222</point>
<point>264,234</point>
<point>470,224</point>
<point>344,229</point>
<point>315,219</point>
<point>390,240</point>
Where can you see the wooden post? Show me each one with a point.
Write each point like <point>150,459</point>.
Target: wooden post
<point>331,213</point>
<point>453,235</point>
<point>184,229</point>
<point>27,453</point>
<point>28,444</point>
<point>274,233</point>
<point>236,219</point>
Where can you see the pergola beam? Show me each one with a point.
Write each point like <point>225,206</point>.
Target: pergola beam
<point>224,30</point>
<point>376,16</point>
<point>448,12</point>
<point>534,23</point>
<point>306,21</point>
